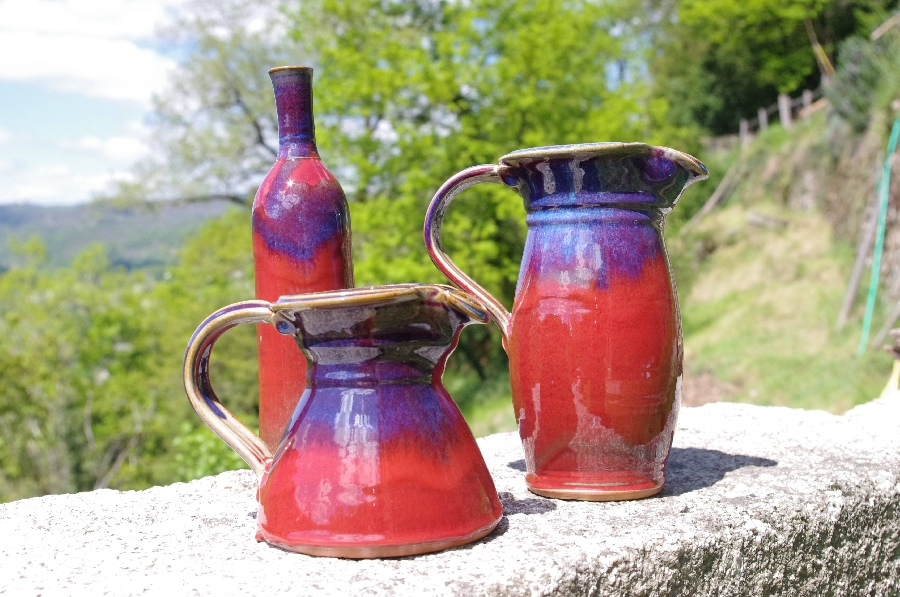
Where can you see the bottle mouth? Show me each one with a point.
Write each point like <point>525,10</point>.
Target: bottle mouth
<point>279,69</point>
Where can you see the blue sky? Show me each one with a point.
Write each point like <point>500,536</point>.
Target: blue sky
<point>76,79</point>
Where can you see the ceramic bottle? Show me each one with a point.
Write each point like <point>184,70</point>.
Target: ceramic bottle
<point>301,241</point>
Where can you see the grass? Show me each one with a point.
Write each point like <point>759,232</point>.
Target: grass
<point>761,310</point>
<point>486,405</point>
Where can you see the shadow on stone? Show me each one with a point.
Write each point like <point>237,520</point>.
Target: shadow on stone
<point>690,469</point>
<point>518,465</point>
<point>512,506</point>
<point>525,506</point>
<point>498,532</point>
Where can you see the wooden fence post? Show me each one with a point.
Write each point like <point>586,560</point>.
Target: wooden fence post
<point>744,132</point>
<point>807,101</point>
<point>763,116</point>
<point>784,110</point>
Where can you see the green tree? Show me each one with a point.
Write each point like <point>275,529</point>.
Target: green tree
<point>76,349</point>
<point>411,92</point>
<point>214,129</point>
<point>407,93</point>
<point>90,368</point>
<point>717,61</point>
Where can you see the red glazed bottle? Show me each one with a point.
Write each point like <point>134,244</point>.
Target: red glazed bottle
<point>301,241</point>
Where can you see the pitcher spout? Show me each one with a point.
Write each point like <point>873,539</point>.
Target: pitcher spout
<point>630,175</point>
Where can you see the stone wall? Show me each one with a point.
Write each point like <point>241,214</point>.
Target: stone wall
<point>759,501</point>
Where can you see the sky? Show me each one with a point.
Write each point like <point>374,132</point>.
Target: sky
<point>76,80</point>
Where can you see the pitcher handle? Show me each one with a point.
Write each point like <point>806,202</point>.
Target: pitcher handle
<point>433,218</point>
<point>200,391</point>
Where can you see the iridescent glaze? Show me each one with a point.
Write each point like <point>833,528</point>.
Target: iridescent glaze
<point>377,460</point>
<point>594,337</point>
<point>301,240</point>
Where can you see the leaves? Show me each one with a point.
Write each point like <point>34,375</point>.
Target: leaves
<point>90,367</point>
<point>720,60</point>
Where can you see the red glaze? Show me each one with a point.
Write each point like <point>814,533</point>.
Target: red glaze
<point>594,380</point>
<point>301,243</point>
<point>369,486</point>
<point>378,460</point>
<point>594,338</point>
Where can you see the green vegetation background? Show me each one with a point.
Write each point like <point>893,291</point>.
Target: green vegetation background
<point>408,93</point>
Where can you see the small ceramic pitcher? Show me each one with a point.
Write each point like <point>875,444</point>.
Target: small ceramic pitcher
<point>594,337</point>
<point>377,460</point>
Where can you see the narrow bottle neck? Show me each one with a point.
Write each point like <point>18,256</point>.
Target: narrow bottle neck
<point>294,105</point>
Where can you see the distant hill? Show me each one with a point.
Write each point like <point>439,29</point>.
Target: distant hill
<point>134,238</point>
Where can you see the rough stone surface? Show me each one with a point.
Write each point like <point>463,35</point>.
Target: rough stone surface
<point>759,501</point>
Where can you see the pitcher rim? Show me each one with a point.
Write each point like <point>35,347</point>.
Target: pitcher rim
<point>383,295</point>
<point>605,149</point>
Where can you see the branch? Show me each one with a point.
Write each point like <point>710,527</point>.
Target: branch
<point>241,200</point>
<point>722,191</point>
<point>153,204</point>
<point>103,482</point>
<point>821,56</point>
<point>884,27</point>
<point>260,138</point>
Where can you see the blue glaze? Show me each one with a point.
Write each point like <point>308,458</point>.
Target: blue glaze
<point>386,356</point>
<point>564,242</point>
<point>643,182</point>
<point>294,222</point>
<point>601,213</point>
<point>413,413</point>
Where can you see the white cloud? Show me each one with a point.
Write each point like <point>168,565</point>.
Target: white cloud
<point>58,184</point>
<point>118,148</point>
<point>90,47</point>
<point>121,149</point>
<point>124,149</point>
<point>5,135</point>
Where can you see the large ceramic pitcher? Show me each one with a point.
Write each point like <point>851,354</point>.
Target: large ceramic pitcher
<point>377,460</point>
<point>594,337</point>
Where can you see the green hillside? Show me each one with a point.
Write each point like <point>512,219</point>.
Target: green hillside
<point>134,238</point>
<point>762,277</point>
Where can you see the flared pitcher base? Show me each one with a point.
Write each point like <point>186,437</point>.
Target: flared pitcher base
<point>588,491</point>
<point>359,552</point>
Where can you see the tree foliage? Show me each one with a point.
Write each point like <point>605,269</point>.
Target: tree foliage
<point>215,133</point>
<point>407,93</point>
<point>90,367</point>
<point>720,60</point>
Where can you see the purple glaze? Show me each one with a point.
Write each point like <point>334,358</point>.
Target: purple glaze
<point>594,337</point>
<point>300,202</point>
<point>639,180</point>
<point>294,103</point>
<point>591,242</point>
<point>597,213</point>
<point>301,239</point>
